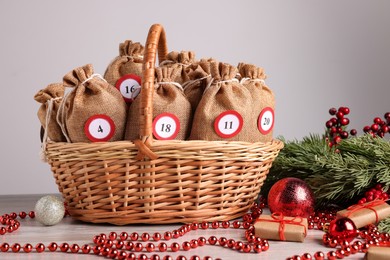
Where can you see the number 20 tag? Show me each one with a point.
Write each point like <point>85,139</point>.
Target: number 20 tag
<point>265,122</point>
<point>129,86</point>
<point>166,126</point>
<point>228,124</point>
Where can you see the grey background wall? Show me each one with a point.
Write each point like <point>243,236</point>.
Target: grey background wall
<point>317,54</point>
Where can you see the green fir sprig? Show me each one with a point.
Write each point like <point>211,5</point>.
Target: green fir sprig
<point>339,175</point>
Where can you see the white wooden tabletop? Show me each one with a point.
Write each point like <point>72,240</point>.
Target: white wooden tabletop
<point>72,231</point>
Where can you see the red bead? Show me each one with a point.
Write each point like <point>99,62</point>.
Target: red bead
<point>202,241</point>
<point>145,237</point>
<point>175,247</point>
<point>131,256</point>
<point>134,236</point>
<point>181,257</point>
<point>212,240</point>
<point>138,247</point>
<point>16,247</point>
<point>40,247</point>
<point>22,214</point>
<point>319,255</point>
<point>129,245</point>
<point>52,247</point>
<point>86,249</point>
<point>142,257</point>
<point>225,224</point>
<point>186,246</point>
<point>3,230</point>
<point>194,226</point>
<point>112,235</point>
<point>123,236</point>
<point>119,244</point>
<point>257,248</point>
<point>122,255</point>
<point>195,257</point>
<point>4,247</point>
<point>31,214</point>
<point>236,224</point>
<point>215,224</point>
<point>238,245</point>
<point>167,257</point>
<point>222,241</point>
<point>155,257</point>
<point>150,247</point>
<point>340,253</point>
<point>96,250</point>
<point>193,243</point>
<point>27,248</point>
<point>156,236</point>
<point>167,235</point>
<point>74,248</point>
<point>230,243</point>
<point>204,225</point>
<point>162,247</point>
<point>175,234</point>
<point>265,245</point>
<point>306,256</point>
<point>113,253</point>
<point>64,247</point>
<point>331,255</point>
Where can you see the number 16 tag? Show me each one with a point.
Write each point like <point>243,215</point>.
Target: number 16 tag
<point>129,86</point>
<point>166,126</point>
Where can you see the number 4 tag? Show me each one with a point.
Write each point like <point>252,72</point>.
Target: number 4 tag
<point>265,122</point>
<point>99,128</point>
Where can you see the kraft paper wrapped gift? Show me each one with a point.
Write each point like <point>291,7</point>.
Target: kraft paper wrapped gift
<point>367,213</point>
<point>279,227</point>
<point>378,253</point>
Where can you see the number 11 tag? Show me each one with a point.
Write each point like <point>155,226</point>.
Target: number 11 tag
<point>228,124</point>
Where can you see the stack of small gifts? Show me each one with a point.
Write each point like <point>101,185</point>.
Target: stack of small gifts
<point>367,213</point>
<point>279,227</point>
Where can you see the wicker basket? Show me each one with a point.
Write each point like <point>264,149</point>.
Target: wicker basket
<point>156,182</point>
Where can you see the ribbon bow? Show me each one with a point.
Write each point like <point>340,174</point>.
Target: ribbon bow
<point>278,217</point>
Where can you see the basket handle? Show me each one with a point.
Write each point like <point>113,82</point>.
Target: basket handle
<point>155,43</point>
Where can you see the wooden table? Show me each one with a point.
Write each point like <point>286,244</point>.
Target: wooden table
<point>72,231</point>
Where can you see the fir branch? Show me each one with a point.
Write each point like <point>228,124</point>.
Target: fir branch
<point>335,177</point>
<point>384,225</point>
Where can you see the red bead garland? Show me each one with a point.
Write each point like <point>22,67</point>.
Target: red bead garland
<point>115,246</point>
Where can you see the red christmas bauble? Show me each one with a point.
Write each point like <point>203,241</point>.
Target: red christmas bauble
<point>343,229</point>
<point>292,197</point>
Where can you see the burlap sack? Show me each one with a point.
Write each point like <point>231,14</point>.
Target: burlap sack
<point>129,61</point>
<point>181,60</point>
<point>167,98</point>
<point>225,96</point>
<point>262,99</point>
<point>199,76</point>
<point>50,98</point>
<point>91,96</point>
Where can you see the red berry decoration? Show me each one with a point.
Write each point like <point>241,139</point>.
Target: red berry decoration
<point>291,197</point>
<point>342,229</point>
<point>337,126</point>
<point>379,127</point>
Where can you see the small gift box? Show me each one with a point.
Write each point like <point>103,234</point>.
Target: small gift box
<point>367,213</point>
<point>279,227</point>
<point>378,253</point>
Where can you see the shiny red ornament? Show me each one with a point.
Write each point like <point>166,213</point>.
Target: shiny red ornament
<point>292,197</point>
<point>343,229</point>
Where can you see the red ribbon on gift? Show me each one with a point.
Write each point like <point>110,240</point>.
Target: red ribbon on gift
<point>370,205</point>
<point>278,217</point>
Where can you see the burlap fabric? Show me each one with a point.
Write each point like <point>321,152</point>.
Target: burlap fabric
<point>224,94</point>
<point>129,61</point>
<point>50,99</point>
<point>181,60</point>
<point>168,97</point>
<point>91,95</point>
<point>262,97</point>
<point>199,76</point>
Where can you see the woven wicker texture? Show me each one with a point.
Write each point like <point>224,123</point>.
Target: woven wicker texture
<point>156,182</point>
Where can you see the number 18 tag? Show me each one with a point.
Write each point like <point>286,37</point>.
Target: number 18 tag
<point>129,86</point>
<point>166,126</point>
<point>265,122</point>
